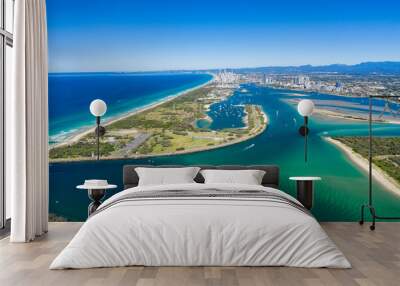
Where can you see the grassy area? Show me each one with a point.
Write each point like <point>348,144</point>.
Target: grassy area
<point>386,152</point>
<point>176,115</point>
<point>170,128</point>
<point>380,145</point>
<point>167,141</point>
<point>81,149</point>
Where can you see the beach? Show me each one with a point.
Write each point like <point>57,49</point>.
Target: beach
<point>82,132</point>
<point>378,174</point>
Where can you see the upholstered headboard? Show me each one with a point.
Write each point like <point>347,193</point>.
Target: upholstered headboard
<point>271,177</point>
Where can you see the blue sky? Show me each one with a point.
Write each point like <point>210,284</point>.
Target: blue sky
<point>136,35</point>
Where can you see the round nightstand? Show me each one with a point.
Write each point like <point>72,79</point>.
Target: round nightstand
<point>305,186</point>
<point>96,191</point>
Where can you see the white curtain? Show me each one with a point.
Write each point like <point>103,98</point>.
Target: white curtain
<point>27,124</point>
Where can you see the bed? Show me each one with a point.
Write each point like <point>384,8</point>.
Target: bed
<point>198,224</point>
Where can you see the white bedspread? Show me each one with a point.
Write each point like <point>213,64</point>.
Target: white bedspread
<point>200,231</point>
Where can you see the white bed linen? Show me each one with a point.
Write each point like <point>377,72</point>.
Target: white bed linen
<point>247,177</point>
<point>211,231</point>
<point>166,176</point>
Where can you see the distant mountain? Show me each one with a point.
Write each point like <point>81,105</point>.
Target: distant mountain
<point>386,68</point>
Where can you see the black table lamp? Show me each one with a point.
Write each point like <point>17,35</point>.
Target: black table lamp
<point>98,108</point>
<point>305,109</point>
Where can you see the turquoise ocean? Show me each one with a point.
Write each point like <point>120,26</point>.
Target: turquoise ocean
<point>338,196</point>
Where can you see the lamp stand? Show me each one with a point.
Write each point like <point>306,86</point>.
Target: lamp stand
<point>306,138</point>
<point>304,132</point>
<point>98,136</point>
<point>370,205</point>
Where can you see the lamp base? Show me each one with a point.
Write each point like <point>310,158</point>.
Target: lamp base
<point>95,195</point>
<point>303,130</point>
<point>101,130</point>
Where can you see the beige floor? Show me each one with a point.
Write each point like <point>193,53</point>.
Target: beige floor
<point>375,257</point>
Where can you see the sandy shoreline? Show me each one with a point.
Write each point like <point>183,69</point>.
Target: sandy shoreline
<point>361,117</point>
<point>82,133</point>
<point>378,174</point>
<point>195,150</point>
<point>336,114</point>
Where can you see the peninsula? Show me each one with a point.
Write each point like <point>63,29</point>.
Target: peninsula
<point>167,128</point>
<point>386,157</point>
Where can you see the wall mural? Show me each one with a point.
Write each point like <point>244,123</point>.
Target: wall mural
<point>180,89</point>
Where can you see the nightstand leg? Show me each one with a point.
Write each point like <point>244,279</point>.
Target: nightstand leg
<point>93,207</point>
<point>96,196</point>
<point>305,193</point>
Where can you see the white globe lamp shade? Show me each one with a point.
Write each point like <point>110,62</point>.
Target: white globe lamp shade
<point>305,107</point>
<point>98,107</point>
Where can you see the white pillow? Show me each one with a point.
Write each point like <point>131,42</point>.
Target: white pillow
<point>248,177</point>
<point>166,176</point>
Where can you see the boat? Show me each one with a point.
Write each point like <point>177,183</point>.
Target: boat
<point>249,147</point>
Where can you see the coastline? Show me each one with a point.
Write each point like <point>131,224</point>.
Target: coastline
<point>326,112</point>
<point>308,91</point>
<point>76,136</point>
<point>195,150</point>
<point>378,174</point>
<point>345,116</point>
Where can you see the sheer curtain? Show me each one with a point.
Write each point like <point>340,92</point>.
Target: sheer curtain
<point>27,124</point>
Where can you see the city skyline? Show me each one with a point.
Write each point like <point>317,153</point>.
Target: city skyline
<point>299,70</point>
<point>156,36</point>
